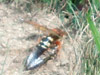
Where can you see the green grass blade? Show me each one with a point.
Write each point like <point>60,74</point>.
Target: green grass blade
<point>97,3</point>
<point>94,30</point>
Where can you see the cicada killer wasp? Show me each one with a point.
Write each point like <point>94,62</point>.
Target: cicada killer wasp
<point>51,41</point>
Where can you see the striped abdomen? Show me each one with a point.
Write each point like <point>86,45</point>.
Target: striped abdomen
<point>33,60</point>
<point>44,44</point>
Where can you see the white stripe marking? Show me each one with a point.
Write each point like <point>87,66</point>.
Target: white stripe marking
<point>43,46</point>
<point>46,43</point>
<point>50,38</point>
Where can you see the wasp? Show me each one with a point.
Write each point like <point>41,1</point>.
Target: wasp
<point>51,41</point>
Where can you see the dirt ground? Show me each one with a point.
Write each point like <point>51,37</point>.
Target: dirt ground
<point>14,44</point>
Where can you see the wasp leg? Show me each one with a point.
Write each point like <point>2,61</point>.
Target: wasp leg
<point>39,39</point>
<point>58,43</point>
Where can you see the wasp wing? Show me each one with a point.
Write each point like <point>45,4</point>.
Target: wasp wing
<point>42,28</point>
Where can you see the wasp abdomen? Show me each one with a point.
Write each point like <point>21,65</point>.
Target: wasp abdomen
<point>44,45</point>
<point>45,42</point>
<point>33,59</point>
